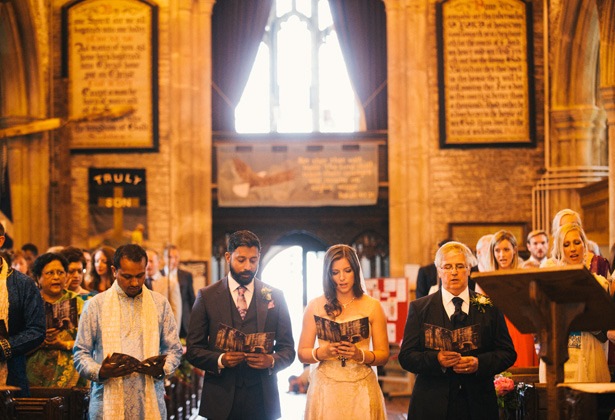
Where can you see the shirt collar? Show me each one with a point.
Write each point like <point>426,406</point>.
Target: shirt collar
<point>447,296</point>
<point>532,258</point>
<point>233,285</point>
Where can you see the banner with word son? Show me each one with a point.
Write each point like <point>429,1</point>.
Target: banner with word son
<point>117,206</point>
<point>297,175</point>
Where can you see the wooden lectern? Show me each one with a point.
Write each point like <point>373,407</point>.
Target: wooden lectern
<point>551,302</point>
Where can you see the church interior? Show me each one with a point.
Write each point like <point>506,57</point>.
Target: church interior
<point>119,120</point>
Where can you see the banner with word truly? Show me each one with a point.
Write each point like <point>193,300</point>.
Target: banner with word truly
<point>297,175</point>
<point>117,206</point>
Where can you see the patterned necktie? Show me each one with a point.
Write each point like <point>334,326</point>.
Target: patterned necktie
<point>242,305</point>
<point>148,283</point>
<point>459,317</point>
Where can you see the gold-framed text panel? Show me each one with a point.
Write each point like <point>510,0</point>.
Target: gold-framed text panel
<point>470,233</point>
<point>110,57</point>
<point>485,73</point>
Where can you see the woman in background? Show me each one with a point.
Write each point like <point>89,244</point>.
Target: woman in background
<point>101,277</point>
<point>343,384</point>
<point>587,360</point>
<point>504,255</point>
<point>76,272</point>
<point>51,364</point>
<point>19,262</point>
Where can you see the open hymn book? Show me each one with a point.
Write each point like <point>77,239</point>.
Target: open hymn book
<point>334,332</point>
<point>121,358</point>
<point>231,339</point>
<point>460,340</point>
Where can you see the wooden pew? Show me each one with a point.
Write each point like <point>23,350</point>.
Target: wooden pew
<point>40,408</point>
<point>77,400</point>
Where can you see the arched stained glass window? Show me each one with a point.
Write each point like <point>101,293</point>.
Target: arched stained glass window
<point>299,82</point>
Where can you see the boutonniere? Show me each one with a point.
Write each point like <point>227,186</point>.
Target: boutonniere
<point>266,294</point>
<point>480,301</point>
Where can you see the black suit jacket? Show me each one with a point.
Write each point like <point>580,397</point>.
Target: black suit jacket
<point>428,277</point>
<point>186,289</point>
<point>212,307</point>
<point>433,386</point>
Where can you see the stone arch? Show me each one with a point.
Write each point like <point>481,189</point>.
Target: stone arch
<point>24,92</point>
<point>575,56</point>
<point>21,72</point>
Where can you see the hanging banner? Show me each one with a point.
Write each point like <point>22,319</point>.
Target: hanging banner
<point>117,206</point>
<point>297,175</point>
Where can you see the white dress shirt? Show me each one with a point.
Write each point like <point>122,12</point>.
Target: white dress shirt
<point>449,306</point>
<point>233,286</point>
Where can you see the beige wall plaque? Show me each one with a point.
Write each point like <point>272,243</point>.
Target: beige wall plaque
<point>110,54</point>
<point>485,64</point>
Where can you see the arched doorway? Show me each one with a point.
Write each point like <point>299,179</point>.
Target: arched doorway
<point>294,265</point>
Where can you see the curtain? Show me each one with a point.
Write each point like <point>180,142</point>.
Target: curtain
<point>361,29</point>
<point>237,29</point>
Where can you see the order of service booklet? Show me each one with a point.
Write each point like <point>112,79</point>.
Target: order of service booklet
<point>231,339</point>
<point>62,315</point>
<point>136,363</point>
<point>460,340</point>
<point>334,332</point>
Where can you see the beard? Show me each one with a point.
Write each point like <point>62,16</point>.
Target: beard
<point>244,278</point>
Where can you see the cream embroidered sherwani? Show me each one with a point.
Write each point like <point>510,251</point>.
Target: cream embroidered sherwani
<point>89,353</point>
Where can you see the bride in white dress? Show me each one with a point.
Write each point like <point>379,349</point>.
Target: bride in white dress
<point>343,384</point>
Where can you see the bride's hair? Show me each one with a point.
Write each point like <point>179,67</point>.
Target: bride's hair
<point>334,253</point>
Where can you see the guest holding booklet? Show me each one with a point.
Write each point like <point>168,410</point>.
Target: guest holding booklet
<point>51,364</point>
<point>127,344</point>
<point>455,378</point>
<point>352,337</point>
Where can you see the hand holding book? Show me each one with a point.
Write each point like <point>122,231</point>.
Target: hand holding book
<point>345,334</point>
<point>119,364</point>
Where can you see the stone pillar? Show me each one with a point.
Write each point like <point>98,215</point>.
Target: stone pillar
<point>606,18</point>
<point>29,170</point>
<point>409,128</point>
<point>577,144</point>
<point>190,116</point>
<point>608,100</point>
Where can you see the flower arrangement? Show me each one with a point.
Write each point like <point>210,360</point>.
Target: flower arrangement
<point>507,394</point>
<point>266,293</point>
<point>481,302</point>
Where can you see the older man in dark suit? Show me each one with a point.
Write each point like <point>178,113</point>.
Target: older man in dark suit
<point>457,383</point>
<point>239,385</point>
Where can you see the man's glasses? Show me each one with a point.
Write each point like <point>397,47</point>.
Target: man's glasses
<point>450,267</point>
<point>53,273</point>
<point>76,271</point>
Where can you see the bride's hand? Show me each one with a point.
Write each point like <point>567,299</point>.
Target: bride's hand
<point>349,351</point>
<point>328,350</point>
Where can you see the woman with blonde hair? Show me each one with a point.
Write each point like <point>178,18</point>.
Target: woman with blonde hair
<point>587,360</point>
<point>504,255</point>
<point>563,217</point>
<point>343,383</point>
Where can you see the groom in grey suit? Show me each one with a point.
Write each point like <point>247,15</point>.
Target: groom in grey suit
<point>238,385</point>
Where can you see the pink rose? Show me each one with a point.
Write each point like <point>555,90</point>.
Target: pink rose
<point>503,385</point>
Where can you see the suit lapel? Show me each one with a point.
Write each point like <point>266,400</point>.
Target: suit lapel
<point>261,306</point>
<point>224,303</point>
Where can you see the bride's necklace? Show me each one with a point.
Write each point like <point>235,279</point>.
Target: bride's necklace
<point>346,304</point>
